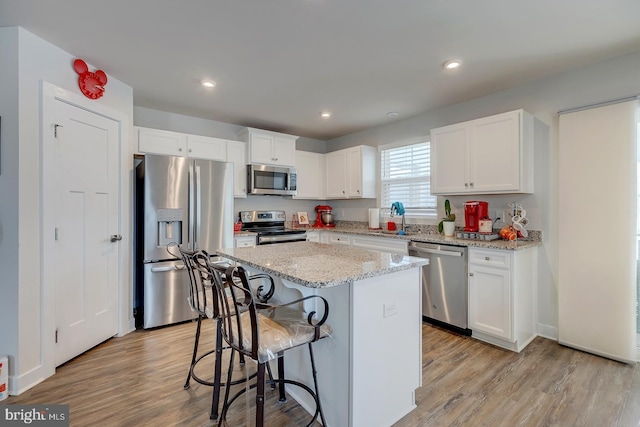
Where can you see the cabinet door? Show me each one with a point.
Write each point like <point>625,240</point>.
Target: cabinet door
<point>313,236</point>
<point>236,154</point>
<point>260,148</point>
<point>449,153</point>
<point>490,301</point>
<point>494,153</point>
<point>284,151</point>
<point>336,174</point>
<point>354,172</point>
<point>202,147</point>
<point>156,141</point>
<point>311,175</point>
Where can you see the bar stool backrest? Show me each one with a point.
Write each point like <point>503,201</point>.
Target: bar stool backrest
<point>238,310</point>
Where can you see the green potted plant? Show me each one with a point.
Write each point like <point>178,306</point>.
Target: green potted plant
<point>448,223</point>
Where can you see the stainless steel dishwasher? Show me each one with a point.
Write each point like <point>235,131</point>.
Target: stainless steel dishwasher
<point>444,285</point>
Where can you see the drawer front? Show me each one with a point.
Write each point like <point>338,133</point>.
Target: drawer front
<point>489,258</point>
<point>339,239</point>
<point>245,241</point>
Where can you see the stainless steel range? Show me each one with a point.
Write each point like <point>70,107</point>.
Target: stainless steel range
<point>269,225</point>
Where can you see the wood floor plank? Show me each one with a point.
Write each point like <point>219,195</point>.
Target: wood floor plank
<point>137,380</point>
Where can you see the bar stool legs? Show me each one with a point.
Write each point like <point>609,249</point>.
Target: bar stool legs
<point>260,389</point>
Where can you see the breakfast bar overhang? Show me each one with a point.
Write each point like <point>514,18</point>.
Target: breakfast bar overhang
<point>370,367</point>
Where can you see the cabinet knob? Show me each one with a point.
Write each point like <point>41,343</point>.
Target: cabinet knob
<point>466,184</point>
<point>343,192</point>
<point>358,191</point>
<point>471,184</point>
<point>487,258</point>
<point>179,149</point>
<point>470,274</point>
<point>190,150</point>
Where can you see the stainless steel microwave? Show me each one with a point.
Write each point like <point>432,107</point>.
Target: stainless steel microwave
<point>273,180</point>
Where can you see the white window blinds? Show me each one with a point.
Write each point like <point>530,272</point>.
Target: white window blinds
<point>405,173</point>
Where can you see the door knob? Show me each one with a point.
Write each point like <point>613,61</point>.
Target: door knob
<point>116,237</point>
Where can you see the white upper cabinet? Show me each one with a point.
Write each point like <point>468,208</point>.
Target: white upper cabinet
<point>237,154</point>
<point>361,171</point>
<point>155,141</point>
<point>203,147</point>
<point>169,143</point>
<point>311,175</point>
<point>270,148</point>
<point>351,173</point>
<point>336,176</point>
<point>491,155</point>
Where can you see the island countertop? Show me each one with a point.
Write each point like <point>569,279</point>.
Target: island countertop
<point>319,265</point>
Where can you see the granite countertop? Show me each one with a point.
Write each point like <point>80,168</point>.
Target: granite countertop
<point>318,265</point>
<point>428,236</point>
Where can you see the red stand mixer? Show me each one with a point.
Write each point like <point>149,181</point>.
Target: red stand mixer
<point>325,217</point>
<point>474,211</point>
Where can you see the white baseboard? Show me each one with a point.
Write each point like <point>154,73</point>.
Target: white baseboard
<point>547,331</point>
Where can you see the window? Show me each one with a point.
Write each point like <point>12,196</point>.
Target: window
<point>405,174</point>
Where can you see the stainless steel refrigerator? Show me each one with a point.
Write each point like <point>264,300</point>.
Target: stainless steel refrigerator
<point>187,201</point>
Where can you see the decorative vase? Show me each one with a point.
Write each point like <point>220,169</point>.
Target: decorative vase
<point>449,228</point>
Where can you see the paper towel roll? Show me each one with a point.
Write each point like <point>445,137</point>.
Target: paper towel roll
<point>374,218</point>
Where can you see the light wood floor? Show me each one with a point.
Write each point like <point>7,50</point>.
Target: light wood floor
<point>137,380</point>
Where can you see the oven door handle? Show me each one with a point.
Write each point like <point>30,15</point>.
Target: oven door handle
<point>273,239</point>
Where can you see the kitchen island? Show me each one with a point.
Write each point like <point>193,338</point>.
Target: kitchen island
<point>371,365</point>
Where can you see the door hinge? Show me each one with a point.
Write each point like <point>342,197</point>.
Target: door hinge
<point>56,233</point>
<point>55,130</point>
<point>56,335</point>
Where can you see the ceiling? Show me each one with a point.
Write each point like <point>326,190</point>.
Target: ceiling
<point>279,63</point>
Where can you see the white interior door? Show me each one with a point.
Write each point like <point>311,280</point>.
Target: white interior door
<point>85,272</point>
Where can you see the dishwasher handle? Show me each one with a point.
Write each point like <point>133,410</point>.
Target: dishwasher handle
<point>433,251</point>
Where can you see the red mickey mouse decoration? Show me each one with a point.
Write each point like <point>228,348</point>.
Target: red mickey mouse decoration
<point>91,84</point>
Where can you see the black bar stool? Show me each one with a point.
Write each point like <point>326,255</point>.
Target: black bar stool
<point>264,332</point>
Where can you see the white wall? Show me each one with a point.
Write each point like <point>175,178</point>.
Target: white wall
<point>9,192</point>
<point>617,78</point>
<point>29,61</point>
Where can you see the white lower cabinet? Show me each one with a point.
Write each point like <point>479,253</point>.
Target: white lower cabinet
<point>313,236</point>
<point>244,241</point>
<point>502,296</point>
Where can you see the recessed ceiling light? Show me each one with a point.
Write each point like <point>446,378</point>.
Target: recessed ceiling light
<point>325,114</point>
<point>393,114</point>
<point>208,83</point>
<point>452,64</point>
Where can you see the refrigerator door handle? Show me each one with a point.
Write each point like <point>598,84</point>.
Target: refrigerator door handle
<point>170,268</point>
<point>190,237</point>
<point>196,228</point>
